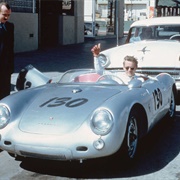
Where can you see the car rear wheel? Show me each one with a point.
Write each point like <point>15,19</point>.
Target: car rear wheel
<point>172,107</point>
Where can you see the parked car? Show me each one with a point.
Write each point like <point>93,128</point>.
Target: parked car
<point>158,28</point>
<point>84,115</point>
<point>103,27</point>
<point>88,28</point>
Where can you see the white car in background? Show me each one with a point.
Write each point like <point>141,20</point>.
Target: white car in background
<point>161,28</point>
<point>153,57</point>
<point>103,29</point>
<point>88,28</point>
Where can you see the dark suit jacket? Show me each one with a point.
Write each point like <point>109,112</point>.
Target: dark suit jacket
<point>7,48</point>
<point>6,58</point>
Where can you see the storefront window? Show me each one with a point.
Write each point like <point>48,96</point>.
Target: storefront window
<point>21,5</point>
<point>99,17</point>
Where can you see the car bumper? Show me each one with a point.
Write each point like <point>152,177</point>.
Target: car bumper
<point>58,148</point>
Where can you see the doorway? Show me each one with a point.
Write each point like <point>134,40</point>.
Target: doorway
<point>49,12</point>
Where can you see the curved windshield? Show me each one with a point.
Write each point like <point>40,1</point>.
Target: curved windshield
<point>91,76</point>
<point>79,75</point>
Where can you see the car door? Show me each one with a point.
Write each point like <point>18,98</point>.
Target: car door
<point>157,105</point>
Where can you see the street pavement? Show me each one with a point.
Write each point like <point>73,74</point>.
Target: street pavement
<point>62,58</point>
<point>54,60</point>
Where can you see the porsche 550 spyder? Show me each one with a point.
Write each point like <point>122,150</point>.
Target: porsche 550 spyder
<point>84,115</point>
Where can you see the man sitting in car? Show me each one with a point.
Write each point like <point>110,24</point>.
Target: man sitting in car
<point>130,65</point>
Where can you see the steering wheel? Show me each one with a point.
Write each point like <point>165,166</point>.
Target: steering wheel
<point>110,79</point>
<point>175,37</point>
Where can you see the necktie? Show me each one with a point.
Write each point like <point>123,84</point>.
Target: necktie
<point>2,26</point>
<point>2,32</point>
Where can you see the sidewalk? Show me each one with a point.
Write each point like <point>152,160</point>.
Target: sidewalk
<point>55,60</point>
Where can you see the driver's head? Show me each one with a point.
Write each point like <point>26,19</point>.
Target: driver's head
<point>130,65</point>
<point>147,33</point>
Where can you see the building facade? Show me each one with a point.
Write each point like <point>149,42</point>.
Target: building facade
<point>136,10</point>
<point>40,23</point>
<point>105,17</point>
<point>141,9</point>
<point>168,7</point>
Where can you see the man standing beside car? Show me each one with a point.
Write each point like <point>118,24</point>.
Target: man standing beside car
<point>6,50</point>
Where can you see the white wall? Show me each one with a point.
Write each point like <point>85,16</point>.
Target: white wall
<point>67,31</point>
<point>88,10</point>
<point>25,32</point>
<point>71,28</point>
<point>26,29</point>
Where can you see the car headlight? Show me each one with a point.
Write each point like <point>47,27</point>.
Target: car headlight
<point>101,122</point>
<point>104,61</point>
<point>4,116</point>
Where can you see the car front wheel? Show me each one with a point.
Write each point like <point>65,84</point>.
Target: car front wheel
<point>131,138</point>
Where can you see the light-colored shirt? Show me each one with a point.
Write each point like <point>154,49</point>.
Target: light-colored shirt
<point>134,39</point>
<point>122,75</point>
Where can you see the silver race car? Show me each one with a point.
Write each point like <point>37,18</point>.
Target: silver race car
<point>84,115</point>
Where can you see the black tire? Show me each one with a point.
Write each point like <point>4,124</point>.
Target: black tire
<point>131,139</point>
<point>172,108</point>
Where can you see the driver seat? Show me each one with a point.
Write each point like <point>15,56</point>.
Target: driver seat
<point>92,77</point>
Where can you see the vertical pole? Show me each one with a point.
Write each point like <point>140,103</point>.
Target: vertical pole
<point>111,8</point>
<point>39,24</point>
<point>117,22</point>
<point>34,6</point>
<point>93,17</point>
<point>131,10</point>
<point>151,6</point>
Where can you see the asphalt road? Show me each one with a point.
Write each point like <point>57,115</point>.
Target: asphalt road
<point>158,154</point>
<point>62,58</point>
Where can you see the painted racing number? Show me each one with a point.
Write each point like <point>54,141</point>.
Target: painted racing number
<point>66,101</point>
<point>157,98</point>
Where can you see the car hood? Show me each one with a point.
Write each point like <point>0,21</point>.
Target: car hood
<point>150,54</point>
<point>61,109</point>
